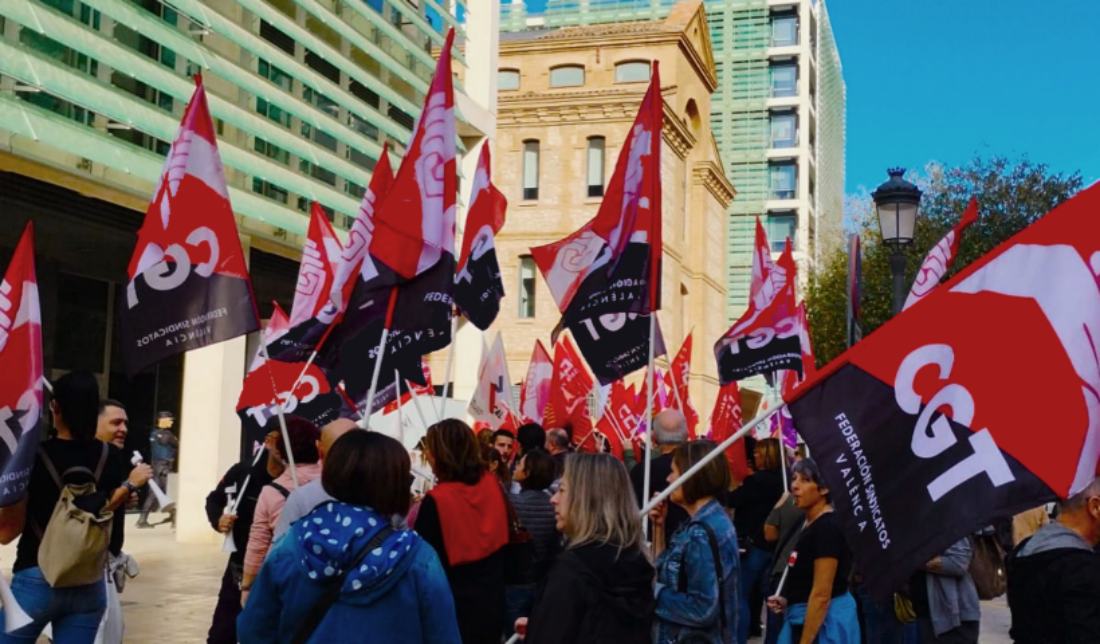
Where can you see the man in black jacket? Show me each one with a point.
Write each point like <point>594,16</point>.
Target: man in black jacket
<point>1054,577</point>
<point>246,478</point>
<point>670,431</point>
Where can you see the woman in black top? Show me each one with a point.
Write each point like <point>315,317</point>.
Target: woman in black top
<point>74,611</point>
<point>752,503</point>
<point>534,474</point>
<point>818,607</point>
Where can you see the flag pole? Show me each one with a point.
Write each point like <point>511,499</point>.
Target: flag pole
<point>400,417</point>
<point>694,469</point>
<point>282,419</point>
<point>649,417</point>
<point>378,358</point>
<point>229,546</point>
<point>448,373</point>
<point>416,403</point>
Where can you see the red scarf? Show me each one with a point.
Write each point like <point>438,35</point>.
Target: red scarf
<point>474,519</point>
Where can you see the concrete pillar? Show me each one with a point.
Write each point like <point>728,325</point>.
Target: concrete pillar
<point>210,432</point>
<point>482,49</point>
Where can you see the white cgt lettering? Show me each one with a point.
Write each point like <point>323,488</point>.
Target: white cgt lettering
<point>987,457</point>
<point>165,275</point>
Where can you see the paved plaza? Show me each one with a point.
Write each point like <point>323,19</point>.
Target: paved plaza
<point>171,601</point>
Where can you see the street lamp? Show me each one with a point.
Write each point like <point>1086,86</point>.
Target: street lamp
<point>898,203</point>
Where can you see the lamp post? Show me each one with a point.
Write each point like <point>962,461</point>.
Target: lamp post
<point>897,202</point>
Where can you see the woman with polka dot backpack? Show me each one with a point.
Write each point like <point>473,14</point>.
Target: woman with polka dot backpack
<point>345,573</point>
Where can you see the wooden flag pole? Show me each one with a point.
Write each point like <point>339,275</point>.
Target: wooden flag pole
<point>289,456</point>
<point>694,469</point>
<point>649,418</point>
<point>366,414</point>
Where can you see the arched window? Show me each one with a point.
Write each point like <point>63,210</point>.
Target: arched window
<point>530,170</point>
<point>596,145</point>
<point>633,71</point>
<point>507,79</point>
<point>567,76</point>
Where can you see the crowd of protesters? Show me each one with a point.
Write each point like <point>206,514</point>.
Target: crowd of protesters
<point>520,533</point>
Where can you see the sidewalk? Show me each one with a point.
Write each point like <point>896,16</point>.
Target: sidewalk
<point>172,600</point>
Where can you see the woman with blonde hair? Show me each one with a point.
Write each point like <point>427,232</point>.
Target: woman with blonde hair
<point>600,589</point>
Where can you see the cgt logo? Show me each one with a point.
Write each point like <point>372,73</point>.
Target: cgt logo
<point>22,419</point>
<point>165,275</point>
<point>762,337</point>
<point>933,436</point>
<point>288,401</point>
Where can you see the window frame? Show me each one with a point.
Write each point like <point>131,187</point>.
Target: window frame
<point>773,116</point>
<point>778,242</point>
<point>567,67</point>
<point>530,193</point>
<point>508,70</point>
<point>775,193</point>
<point>526,302</point>
<point>594,191</point>
<point>625,63</point>
<point>782,93</point>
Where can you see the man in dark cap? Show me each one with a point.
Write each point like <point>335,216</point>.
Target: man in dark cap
<point>163,446</point>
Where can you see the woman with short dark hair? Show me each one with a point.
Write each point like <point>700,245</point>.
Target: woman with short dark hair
<point>534,473</point>
<point>697,574</point>
<point>465,518</point>
<point>395,590</point>
<point>816,601</point>
<point>752,502</point>
<point>75,458</point>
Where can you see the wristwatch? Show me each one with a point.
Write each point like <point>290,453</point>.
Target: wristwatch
<point>130,486</point>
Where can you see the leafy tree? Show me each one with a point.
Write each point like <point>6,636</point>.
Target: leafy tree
<point>1012,194</point>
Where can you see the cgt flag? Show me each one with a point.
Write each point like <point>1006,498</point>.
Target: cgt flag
<point>925,418</point>
<point>21,364</point>
<point>613,263</point>
<point>536,386</point>
<point>313,311</point>
<point>492,400</point>
<point>189,284</point>
<point>725,420</point>
<point>569,389</point>
<point>616,345</point>
<point>680,371</point>
<point>478,288</point>
<point>767,336</point>
<point>941,257</point>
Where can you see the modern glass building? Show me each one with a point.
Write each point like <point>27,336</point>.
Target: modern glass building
<point>304,94</point>
<point>777,117</point>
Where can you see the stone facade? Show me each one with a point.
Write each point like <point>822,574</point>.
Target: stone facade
<point>563,119</point>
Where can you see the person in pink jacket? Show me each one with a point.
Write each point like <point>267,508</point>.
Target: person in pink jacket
<point>304,438</point>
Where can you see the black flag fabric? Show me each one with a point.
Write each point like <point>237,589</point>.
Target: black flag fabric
<point>616,345</point>
<point>926,430</point>
<point>478,287</point>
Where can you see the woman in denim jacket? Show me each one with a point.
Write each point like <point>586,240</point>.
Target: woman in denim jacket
<point>697,602</point>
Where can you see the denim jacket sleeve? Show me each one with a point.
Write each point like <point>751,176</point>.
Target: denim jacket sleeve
<point>439,624</point>
<point>956,561</point>
<point>697,606</point>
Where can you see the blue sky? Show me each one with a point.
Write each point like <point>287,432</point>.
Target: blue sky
<point>943,79</point>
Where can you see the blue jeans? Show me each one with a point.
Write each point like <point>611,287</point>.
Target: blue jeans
<point>880,624</point>
<point>75,612</point>
<point>518,601</point>
<point>755,566</point>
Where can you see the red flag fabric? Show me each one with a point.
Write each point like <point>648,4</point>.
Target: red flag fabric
<point>189,285</point>
<point>21,364</point>
<point>611,435</point>
<point>568,389</point>
<point>536,386</point>
<point>278,325</point>
<point>415,223</point>
<point>612,264</point>
<point>320,260</point>
<point>355,259</point>
<point>725,421</point>
<point>933,399</point>
<point>940,258</point>
<point>680,369</point>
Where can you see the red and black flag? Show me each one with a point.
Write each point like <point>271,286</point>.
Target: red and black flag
<point>612,265</point>
<point>725,421</point>
<point>940,258</point>
<point>616,345</point>
<point>478,287</point>
<point>313,312</point>
<point>536,386</point>
<point>411,257</point>
<point>928,417</point>
<point>306,392</point>
<point>766,337</point>
<point>21,364</point>
<point>189,284</point>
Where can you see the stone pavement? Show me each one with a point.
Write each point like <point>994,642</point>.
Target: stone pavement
<point>173,598</point>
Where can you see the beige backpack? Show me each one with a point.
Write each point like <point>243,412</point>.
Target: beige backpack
<point>73,547</point>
